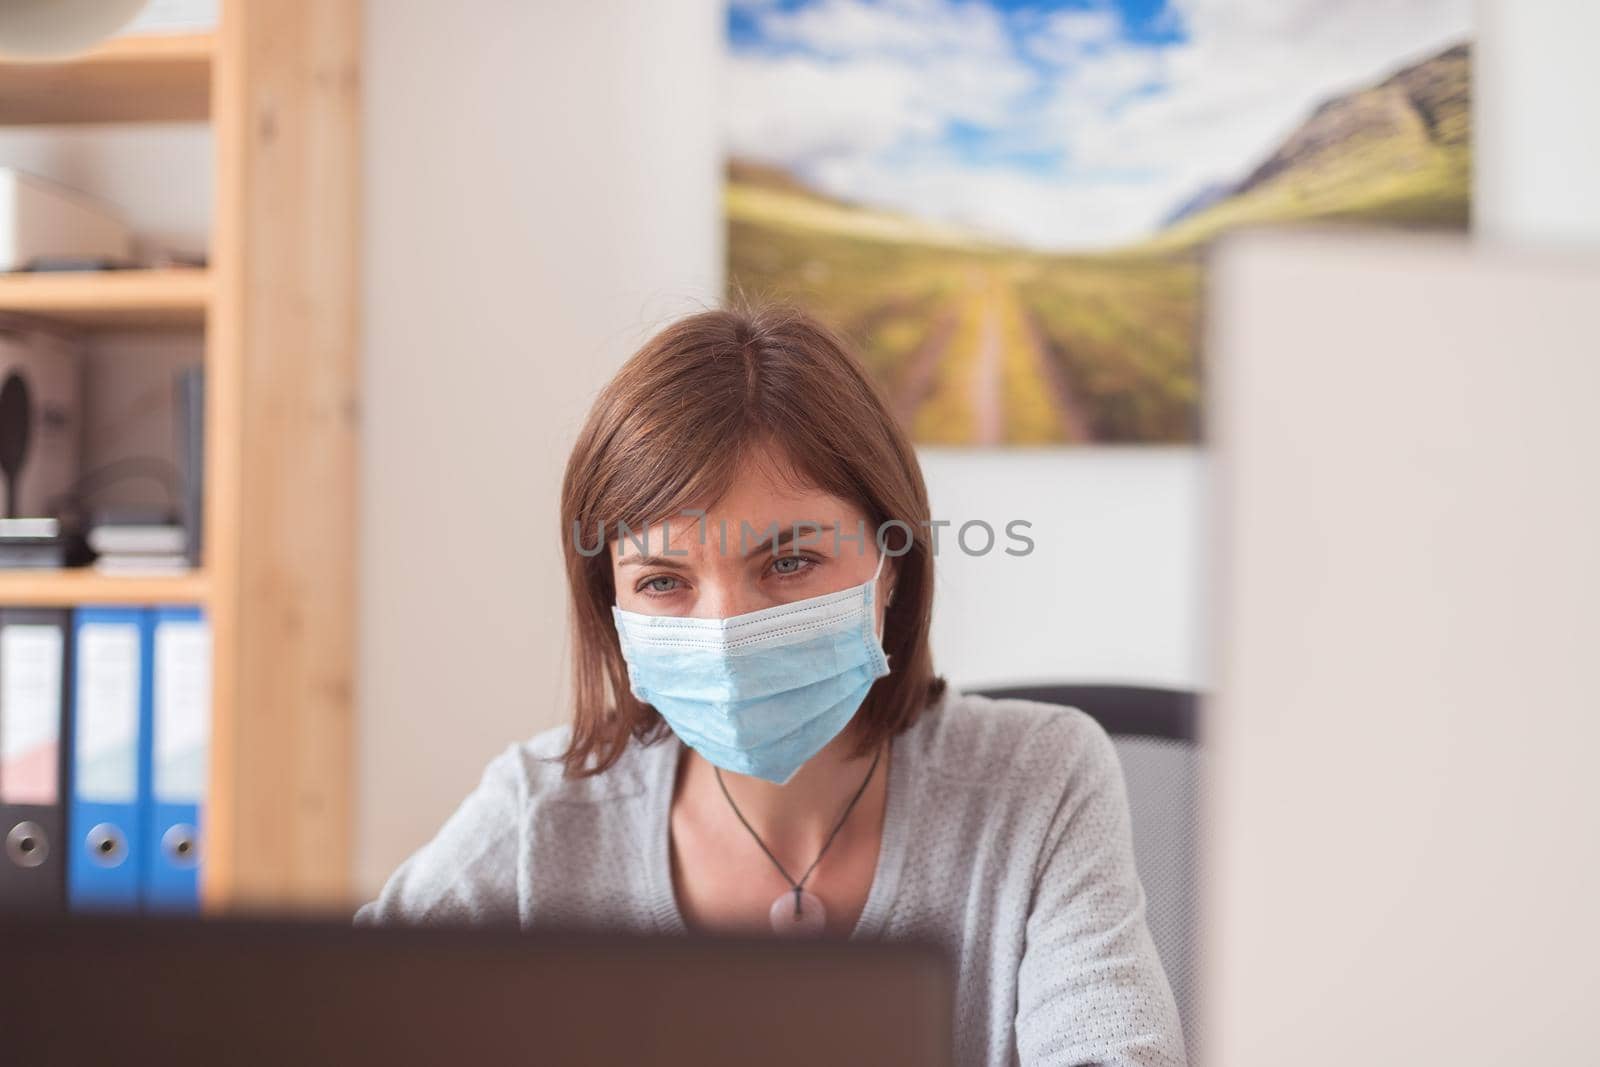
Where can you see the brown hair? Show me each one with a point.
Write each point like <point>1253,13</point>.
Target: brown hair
<point>670,432</point>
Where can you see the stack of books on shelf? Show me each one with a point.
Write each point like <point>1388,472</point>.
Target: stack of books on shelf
<point>137,542</point>
<point>30,544</point>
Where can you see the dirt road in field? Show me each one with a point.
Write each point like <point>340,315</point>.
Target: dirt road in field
<point>986,355</point>
<point>1014,362</point>
<point>988,402</point>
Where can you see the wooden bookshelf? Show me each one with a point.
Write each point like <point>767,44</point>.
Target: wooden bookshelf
<point>282,416</point>
<point>279,84</point>
<point>111,300</point>
<point>139,78</point>
<point>82,586</point>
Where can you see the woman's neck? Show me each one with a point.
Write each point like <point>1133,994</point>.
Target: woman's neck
<point>793,819</point>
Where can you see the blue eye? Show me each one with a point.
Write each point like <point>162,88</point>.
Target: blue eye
<point>789,566</point>
<point>660,585</point>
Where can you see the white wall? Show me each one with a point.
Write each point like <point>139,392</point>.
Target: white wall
<point>1110,590</point>
<point>542,190</point>
<point>1538,135</point>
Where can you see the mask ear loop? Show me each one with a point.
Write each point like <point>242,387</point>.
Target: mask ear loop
<point>876,626</point>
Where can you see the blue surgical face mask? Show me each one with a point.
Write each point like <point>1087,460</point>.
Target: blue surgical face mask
<point>763,692</point>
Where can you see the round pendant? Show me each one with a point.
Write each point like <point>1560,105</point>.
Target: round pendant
<point>808,923</point>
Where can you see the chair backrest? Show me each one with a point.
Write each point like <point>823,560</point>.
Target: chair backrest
<point>1154,732</point>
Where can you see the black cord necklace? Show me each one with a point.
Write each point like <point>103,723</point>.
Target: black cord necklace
<point>809,916</point>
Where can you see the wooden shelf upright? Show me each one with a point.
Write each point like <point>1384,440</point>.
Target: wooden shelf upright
<point>279,82</point>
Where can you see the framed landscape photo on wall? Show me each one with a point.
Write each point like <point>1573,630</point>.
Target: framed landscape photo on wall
<point>1004,204</point>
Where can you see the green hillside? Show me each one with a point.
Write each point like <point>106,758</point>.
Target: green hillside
<point>1398,153</point>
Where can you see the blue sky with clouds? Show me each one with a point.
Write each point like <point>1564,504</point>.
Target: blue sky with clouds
<point>1062,124</point>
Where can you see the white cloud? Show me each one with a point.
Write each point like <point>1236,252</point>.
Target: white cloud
<point>908,29</point>
<point>862,92</point>
<point>797,110</point>
<point>1037,212</point>
<point>860,78</point>
<point>1065,36</point>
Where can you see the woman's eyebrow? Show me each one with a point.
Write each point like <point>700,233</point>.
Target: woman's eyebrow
<point>650,561</point>
<point>813,533</point>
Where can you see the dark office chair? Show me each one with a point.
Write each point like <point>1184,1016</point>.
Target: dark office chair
<point>1154,732</point>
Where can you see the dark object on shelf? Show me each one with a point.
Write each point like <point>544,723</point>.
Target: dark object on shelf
<point>40,419</point>
<point>16,432</point>
<point>191,408</point>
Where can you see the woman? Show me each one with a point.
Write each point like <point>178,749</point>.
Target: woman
<point>759,741</point>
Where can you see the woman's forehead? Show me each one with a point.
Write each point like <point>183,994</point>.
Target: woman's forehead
<point>774,490</point>
<point>767,485</point>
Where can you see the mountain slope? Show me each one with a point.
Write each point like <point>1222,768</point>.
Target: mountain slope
<point>1398,153</point>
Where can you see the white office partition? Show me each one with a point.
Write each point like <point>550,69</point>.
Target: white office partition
<point>1404,862</point>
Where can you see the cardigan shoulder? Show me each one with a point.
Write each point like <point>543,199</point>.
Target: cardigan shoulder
<point>988,741</point>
